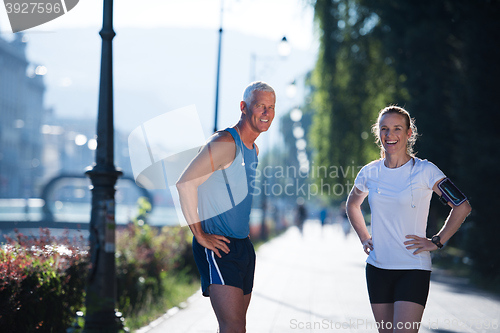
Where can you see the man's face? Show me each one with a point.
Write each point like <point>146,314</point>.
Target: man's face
<point>260,112</point>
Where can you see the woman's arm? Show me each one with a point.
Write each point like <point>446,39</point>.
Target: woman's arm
<point>451,225</point>
<point>455,219</point>
<point>353,206</point>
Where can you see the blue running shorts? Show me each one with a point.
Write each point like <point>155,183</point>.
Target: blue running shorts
<point>235,269</point>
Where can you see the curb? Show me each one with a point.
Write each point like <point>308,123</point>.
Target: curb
<point>170,313</point>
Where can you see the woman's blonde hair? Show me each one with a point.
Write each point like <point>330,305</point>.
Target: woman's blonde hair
<point>410,124</point>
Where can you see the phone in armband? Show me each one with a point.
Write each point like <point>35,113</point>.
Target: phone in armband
<point>450,193</point>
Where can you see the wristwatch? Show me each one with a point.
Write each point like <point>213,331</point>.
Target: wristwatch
<point>437,240</point>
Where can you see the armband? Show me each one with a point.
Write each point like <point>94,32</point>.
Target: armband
<point>450,193</point>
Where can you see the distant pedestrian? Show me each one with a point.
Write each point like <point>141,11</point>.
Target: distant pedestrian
<point>323,214</point>
<point>300,214</point>
<point>215,192</point>
<point>399,187</point>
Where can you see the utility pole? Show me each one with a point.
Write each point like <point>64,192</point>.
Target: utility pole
<point>218,67</point>
<point>101,285</point>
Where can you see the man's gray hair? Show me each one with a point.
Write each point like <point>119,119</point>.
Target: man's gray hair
<point>256,86</point>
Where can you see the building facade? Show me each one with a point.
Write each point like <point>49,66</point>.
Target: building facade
<point>22,111</point>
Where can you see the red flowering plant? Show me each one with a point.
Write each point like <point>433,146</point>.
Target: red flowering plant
<point>42,282</point>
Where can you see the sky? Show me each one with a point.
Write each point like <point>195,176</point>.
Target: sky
<point>156,69</point>
<point>271,19</point>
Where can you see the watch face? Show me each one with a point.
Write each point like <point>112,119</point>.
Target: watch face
<point>437,240</point>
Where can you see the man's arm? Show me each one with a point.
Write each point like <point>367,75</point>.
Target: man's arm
<point>216,154</point>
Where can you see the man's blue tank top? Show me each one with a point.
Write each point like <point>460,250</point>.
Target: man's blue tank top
<point>225,198</point>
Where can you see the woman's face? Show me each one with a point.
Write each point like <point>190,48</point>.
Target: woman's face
<point>394,133</point>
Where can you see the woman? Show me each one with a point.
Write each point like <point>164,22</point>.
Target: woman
<point>399,188</point>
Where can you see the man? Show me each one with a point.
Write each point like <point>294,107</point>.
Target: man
<point>215,192</point>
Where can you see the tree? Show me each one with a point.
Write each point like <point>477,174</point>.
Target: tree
<point>438,59</point>
<point>445,49</point>
<point>354,79</point>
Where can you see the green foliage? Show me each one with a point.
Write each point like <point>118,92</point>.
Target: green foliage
<point>41,283</point>
<point>353,80</point>
<point>143,209</point>
<point>445,50</point>
<point>155,271</point>
<point>438,59</point>
<point>42,279</point>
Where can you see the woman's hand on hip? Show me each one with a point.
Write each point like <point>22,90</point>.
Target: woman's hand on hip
<point>420,243</point>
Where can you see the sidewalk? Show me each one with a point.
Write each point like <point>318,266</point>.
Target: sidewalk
<point>316,283</point>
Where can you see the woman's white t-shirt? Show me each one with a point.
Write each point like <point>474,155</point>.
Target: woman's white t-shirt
<point>392,193</point>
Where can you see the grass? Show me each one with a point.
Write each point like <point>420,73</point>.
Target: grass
<point>178,289</point>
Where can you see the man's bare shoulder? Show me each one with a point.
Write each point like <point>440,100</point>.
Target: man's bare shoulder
<point>222,149</point>
<point>222,136</point>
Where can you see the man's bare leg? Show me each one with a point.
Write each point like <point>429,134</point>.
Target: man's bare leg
<point>230,306</point>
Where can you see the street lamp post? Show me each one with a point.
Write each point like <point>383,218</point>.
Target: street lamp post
<point>101,285</point>
<point>284,49</point>
<point>218,67</point>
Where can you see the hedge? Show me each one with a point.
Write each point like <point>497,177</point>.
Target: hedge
<point>41,283</point>
<point>42,279</point>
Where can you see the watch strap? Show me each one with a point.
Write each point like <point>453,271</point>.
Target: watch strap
<point>437,241</point>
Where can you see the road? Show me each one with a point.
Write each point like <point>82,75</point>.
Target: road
<point>315,283</point>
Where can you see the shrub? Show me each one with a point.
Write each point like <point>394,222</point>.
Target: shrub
<point>42,279</point>
<point>41,282</point>
<point>151,263</point>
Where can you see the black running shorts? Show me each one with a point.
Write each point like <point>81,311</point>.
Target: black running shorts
<point>392,285</point>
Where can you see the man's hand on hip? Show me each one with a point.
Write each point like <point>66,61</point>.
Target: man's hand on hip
<point>214,243</point>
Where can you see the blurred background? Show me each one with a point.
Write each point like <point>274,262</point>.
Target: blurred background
<point>165,57</point>
<point>333,63</point>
